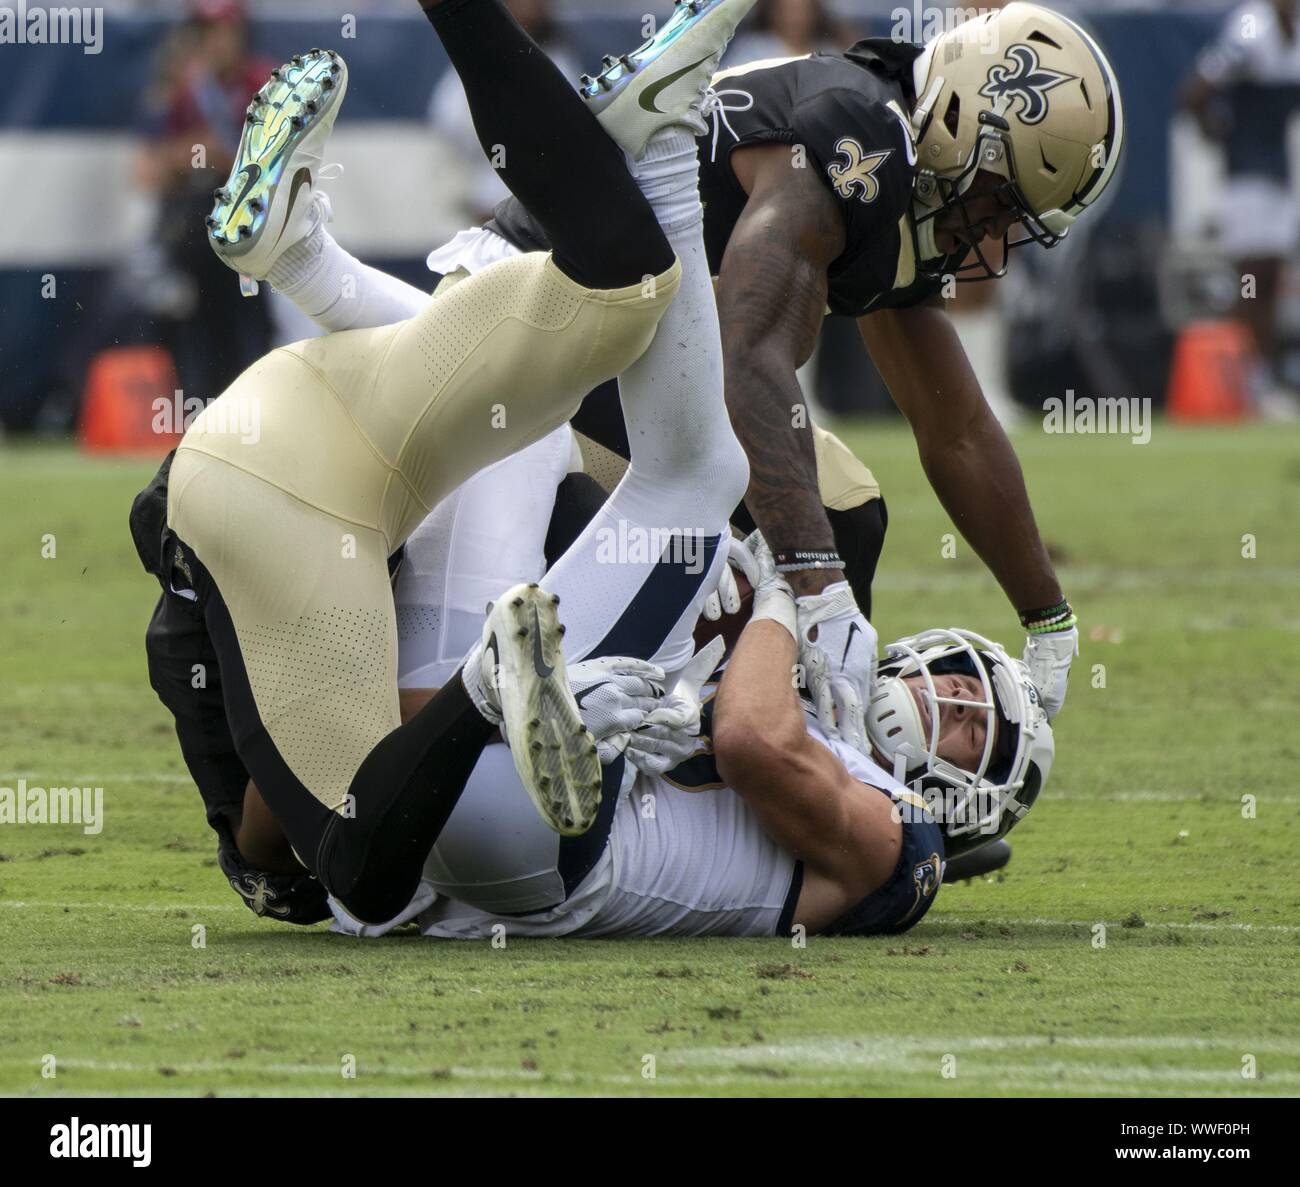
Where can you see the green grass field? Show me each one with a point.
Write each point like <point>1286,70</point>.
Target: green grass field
<point>1184,700</point>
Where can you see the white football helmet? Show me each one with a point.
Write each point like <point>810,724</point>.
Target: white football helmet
<point>976,806</point>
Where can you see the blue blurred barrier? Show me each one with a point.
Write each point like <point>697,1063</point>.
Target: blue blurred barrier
<point>53,91</point>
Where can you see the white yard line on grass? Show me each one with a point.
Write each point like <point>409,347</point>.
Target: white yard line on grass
<point>939,580</point>
<point>192,908</point>
<point>1043,921</point>
<point>1144,796</point>
<point>814,1064</point>
<point>972,921</point>
<point>37,778</point>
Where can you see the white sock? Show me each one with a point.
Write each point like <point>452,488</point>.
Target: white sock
<point>669,176</point>
<point>672,396</point>
<point>337,291</point>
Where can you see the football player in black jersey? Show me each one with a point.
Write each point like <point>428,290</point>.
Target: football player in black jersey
<point>863,184</point>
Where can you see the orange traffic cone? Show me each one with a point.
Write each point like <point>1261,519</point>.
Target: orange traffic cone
<point>1210,377</point>
<point>121,410</point>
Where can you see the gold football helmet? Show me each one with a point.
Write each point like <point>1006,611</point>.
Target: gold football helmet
<point>1026,95</point>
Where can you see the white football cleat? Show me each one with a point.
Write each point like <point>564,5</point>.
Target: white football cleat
<point>662,84</point>
<point>267,203</point>
<point>517,676</point>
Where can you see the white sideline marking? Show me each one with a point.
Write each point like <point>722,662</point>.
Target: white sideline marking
<point>953,920</point>
<point>35,777</point>
<point>1044,921</point>
<point>931,580</point>
<point>1143,796</point>
<point>877,1047</point>
<point>24,905</point>
<point>820,1060</point>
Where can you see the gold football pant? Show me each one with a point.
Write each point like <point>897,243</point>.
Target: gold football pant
<point>295,486</point>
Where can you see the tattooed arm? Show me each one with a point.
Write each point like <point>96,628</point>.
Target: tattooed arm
<point>771,302</point>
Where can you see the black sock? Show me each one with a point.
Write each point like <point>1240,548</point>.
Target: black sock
<point>558,160</point>
<point>401,797</point>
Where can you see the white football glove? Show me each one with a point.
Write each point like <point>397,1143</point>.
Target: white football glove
<point>840,663</point>
<point>1048,658</point>
<point>773,597</point>
<point>726,598</point>
<point>615,695</point>
<point>671,733</point>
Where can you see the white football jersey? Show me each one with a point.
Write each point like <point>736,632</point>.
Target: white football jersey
<point>678,862</point>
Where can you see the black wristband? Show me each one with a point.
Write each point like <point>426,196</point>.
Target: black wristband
<point>796,560</point>
<point>1046,616</point>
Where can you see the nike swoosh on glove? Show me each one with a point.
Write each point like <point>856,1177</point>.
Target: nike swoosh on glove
<point>671,733</point>
<point>615,695</point>
<point>1048,658</point>
<point>840,663</point>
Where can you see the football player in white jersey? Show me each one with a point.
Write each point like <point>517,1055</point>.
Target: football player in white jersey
<point>762,822</point>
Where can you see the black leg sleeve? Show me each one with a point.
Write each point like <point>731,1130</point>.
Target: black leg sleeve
<point>403,793</point>
<point>370,854</point>
<point>860,539</point>
<point>557,160</point>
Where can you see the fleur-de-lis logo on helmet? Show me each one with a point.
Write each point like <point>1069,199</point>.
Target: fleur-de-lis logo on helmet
<point>1026,80</point>
<point>856,174</point>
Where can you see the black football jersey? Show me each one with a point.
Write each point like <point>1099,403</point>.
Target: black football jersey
<point>843,115</point>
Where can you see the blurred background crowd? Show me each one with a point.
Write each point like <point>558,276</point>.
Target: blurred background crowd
<point>1181,288</point>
